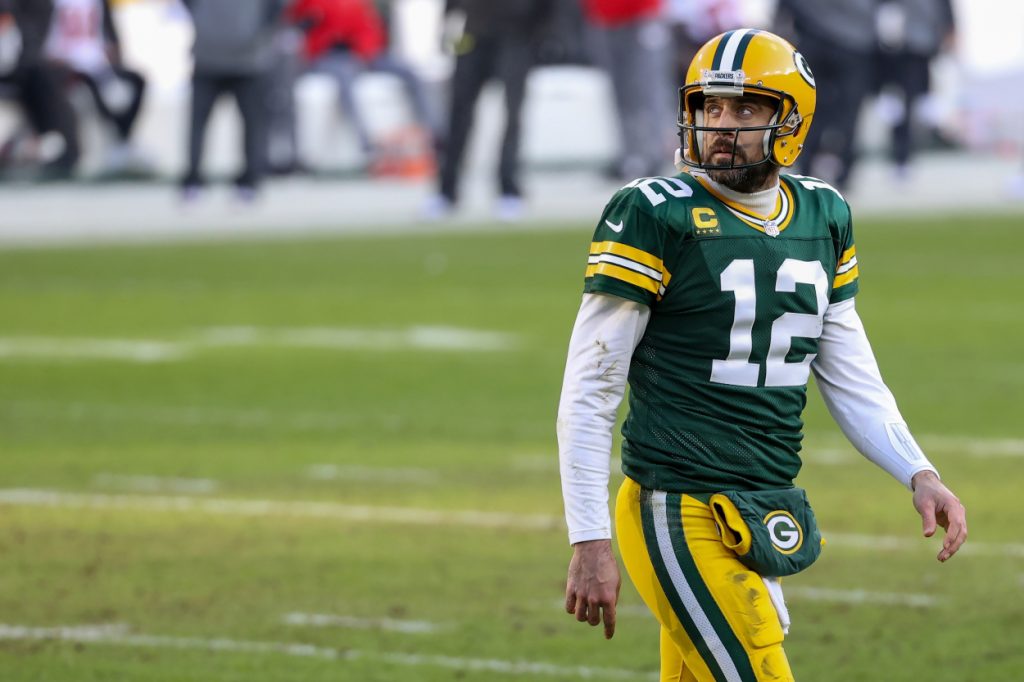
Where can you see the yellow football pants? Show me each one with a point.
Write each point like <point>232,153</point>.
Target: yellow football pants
<point>718,623</point>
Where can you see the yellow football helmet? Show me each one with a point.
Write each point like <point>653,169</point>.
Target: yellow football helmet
<point>749,61</point>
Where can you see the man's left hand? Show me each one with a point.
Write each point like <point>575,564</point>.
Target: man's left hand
<point>938,506</point>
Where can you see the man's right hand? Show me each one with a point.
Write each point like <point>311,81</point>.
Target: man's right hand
<point>592,589</point>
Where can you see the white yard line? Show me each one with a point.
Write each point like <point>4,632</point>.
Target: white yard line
<point>345,338</point>
<point>420,338</point>
<point>119,635</point>
<point>196,415</point>
<point>282,508</point>
<point>918,601</point>
<point>29,497</point>
<point>156,484</point>
<point>369,474</point>
<point>78,633</point>
<point>330,620</point>
<point>143,351</point>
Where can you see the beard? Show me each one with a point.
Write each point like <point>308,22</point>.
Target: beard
<point>746,180</point>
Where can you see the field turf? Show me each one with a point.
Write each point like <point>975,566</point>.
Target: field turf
<point>334,459</point>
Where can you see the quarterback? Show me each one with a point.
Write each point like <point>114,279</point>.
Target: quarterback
<point>715,294</point>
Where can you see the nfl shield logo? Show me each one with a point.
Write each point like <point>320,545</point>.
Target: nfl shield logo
<point>771,229</point>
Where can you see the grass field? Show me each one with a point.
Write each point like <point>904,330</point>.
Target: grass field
<point>335,460</point>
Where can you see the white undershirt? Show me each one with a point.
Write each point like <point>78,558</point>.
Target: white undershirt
<point>761,203</point>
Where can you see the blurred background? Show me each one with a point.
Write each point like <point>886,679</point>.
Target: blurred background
<point>285,295</point>
<point>462,110</point>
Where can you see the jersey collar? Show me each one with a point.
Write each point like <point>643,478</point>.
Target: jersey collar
<point>772,224</point>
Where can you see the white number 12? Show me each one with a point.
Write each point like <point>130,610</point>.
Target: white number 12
<point>736,369</point>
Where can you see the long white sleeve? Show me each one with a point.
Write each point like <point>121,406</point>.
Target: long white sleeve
<point>606,333</point>
<point>852,387</point>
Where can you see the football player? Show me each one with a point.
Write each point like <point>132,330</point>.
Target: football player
<point>715,294</point>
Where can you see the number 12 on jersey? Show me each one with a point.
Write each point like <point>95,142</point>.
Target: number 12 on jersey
<point>736,369</point>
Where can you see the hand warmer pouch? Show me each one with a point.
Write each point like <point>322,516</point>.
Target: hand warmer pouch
<point>773,532</point>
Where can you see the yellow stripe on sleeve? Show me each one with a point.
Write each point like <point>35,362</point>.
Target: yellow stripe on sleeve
<point>847,255</point>
<point>846,277</point>
<point>625,275</point>
<point>630,252</point>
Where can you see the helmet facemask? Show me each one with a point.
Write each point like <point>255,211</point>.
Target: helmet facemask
<point>691,129</point>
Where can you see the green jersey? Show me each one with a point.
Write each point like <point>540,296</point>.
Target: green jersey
<point>719,380</point>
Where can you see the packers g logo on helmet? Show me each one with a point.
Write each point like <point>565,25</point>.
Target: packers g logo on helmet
<point>803,68</point>
<point>755,62</point>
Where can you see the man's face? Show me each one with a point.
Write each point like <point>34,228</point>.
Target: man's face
<point>718,148</point>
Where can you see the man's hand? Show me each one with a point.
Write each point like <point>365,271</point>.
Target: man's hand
<point>938,505</point>
<point>593,584</point>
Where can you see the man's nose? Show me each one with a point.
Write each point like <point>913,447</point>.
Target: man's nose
<point>728,119</point>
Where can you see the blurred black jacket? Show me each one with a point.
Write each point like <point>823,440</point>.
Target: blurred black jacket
<point>33,20</point>
<point>235,37</point>
<point>518,18</point>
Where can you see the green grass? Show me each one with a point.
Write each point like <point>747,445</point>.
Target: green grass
<point>941,298</point>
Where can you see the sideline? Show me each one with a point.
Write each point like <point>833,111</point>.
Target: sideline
<point>84,215</point>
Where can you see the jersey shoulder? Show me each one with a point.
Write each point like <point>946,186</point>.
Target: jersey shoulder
<point>657,194</point>
<point>824,204</point>
<point>665,200</point>
<point>813,192</point>
<point>631,253</point>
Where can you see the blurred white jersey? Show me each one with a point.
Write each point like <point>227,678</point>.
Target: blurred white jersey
<point>76,36</point>
<point>704,18</point>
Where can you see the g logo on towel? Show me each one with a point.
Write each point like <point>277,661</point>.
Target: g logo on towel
<point>785,532</point>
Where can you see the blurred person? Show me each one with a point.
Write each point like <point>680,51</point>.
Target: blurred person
<point>84,39</point>
<point>283,154</point>
<point>233,52</point>
<point>630,41</point>
<point>1015,185</point>
<point>38,88</point>
<point>498,41</point>
<point>693,23</point>
<point>715,294</point>
<point>838,37</point>
<point>911,34</point>
<point>565,39</point>
<point>347,38</point>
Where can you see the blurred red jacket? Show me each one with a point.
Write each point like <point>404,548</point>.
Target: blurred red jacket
<point>354,24</point>
<point>614,12</point>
